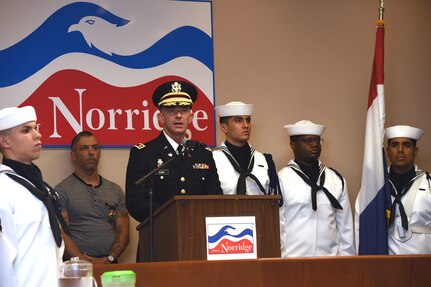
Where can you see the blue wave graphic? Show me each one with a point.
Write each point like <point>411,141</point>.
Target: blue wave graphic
<point>184,41</point>
<point>52,39</point>
<point>224,232</point>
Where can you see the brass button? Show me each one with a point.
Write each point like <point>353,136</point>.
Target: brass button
<point>203,177</point>
<point>161,177</point>
<point>183,191</point>
<point>182,178</point>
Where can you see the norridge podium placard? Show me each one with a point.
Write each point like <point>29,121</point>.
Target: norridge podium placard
<point>232,237</point>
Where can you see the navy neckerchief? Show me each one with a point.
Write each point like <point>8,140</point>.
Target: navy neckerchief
<point>241,187</point>
<point>315,188</point>
<point>396,182</point>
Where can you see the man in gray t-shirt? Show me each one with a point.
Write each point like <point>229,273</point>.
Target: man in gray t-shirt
<point>93,206</point>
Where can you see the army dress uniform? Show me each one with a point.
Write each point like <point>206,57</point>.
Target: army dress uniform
<point>193,173</point>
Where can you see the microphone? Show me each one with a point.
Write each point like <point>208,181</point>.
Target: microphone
<point>190,145</point>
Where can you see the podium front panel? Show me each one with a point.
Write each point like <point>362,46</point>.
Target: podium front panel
<point>179,225</point>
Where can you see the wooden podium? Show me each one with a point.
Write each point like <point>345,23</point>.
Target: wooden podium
<point>179,225</point>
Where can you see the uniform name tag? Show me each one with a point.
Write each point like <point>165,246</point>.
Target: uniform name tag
<point>162,171</point>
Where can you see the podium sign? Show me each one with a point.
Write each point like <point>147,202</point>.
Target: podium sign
<point>231,237</point>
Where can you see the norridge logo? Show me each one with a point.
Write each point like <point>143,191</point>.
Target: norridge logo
<point>121,116</point>
<point>244,246</point>
<point>231,239</point>
<point>96,118</point>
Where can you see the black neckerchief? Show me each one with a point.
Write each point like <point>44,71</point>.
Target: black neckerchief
<point>313,184</point>
<point>400,181</point>
<point>400,185</point>
<point>241,187</point>
<point>29,171</point>
<point>311,171</point>
<point>241,154</point>
<point>41,191</point>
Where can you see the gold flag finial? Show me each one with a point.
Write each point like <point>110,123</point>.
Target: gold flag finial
<point>381,9</point>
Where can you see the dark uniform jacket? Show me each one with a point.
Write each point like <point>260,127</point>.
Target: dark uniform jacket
<point>194,173</point>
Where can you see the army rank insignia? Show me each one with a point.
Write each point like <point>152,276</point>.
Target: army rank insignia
<point>139,146</point>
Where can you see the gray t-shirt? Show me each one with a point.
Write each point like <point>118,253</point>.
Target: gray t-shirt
<point>91,212</point>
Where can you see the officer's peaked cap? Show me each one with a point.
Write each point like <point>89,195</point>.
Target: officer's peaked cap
<point>175,93</point>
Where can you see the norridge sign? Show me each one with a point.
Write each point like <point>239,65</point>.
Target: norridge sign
<point>97,119</point>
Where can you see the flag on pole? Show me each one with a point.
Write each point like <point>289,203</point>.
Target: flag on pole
<point>374,197</point>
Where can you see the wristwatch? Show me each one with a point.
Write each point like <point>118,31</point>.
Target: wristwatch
<point>111,258</point>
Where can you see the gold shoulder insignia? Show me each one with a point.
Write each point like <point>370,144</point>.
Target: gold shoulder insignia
<point>208,148</point>
<point>139,146</point>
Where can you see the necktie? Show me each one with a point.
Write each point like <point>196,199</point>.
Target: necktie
<point>180,149</point>
<point>315,188</point>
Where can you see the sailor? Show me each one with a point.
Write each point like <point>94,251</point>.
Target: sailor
<point>409,223</point>
<point>241,168</point>
<point>316,218</point>
<point>31,243</point>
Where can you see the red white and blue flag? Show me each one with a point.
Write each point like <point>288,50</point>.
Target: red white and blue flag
<point>373,197</point>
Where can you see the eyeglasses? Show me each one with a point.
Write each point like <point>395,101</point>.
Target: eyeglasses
<point>310,141</point>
